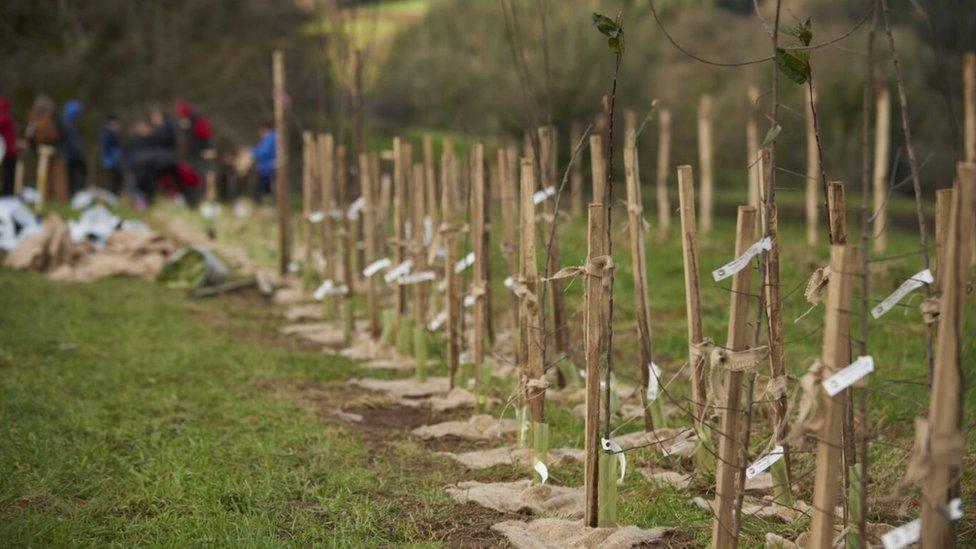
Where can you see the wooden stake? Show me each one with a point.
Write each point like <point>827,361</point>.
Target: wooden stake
<point>309,157</point>
<point>705,159</point>
<point>418,247</point>
<point>19,168</point>
<point>327,173</point>
<point>943,211</point>
<point>479,282</point>
<point>729,451</point>
<point>752,146</point>
<point>969,108</point>
<point>663,169</point>
<point>689,252</point>
<point>836,355</point>
<point>507,190</point>
<point>449,228</point>
<point>576,172</point>
<point>635,227</point>
<point>945,444</point>
<point>882,137</point>
<point>282,195</point>
<point>401,181</point>
<point>969,104</point>
<point>813,170</point>
<point>547,161</point>
<point>44,155</point>
<point>368,186</point>
<point>344,259</point>
<point>838,212</point>
<point>530,310</point>
<point>595,350</point>
<point>598,167</point>
<point>774,317</point>
<point>430,182</point>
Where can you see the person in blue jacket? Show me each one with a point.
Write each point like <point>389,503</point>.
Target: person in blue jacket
<point>265,162</point>
<point>110,152</point>
<point>71,146</point>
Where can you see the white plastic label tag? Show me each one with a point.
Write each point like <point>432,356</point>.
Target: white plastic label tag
<point>611,445</point>
<point>915,282</point>
<point>541,195</point>
<point>909,533</point>
<point>316,217</point>
<point>414,278</point>
<point>510,284</point>
<point>468,300</point>
<point>653,382</point>
<point>438,321</point>
<point>677,447</point>
<point>376,267</point>
<point>764,462</point>
<point>740,262</point>
<point>209,210</point>
<point>849,375</point>
<point>464,263</point>
<point>542,470</point>
<point>355,207</point>
<point>428,229</point>
<point>319,292</point>
<point>400,270</point>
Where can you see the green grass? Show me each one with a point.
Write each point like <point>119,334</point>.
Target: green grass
<point>134,416</point>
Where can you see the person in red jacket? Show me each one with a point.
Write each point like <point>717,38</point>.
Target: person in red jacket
<point>195,134</point>
<point>8,131</point>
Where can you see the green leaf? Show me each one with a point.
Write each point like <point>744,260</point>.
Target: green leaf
<point>802,31</point>
<point>607,27</point>
<point>795,64</point>
<point>616,43</point>
<point>771,136</point>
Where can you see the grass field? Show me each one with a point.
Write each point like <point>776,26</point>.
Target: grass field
<point>132,415</point>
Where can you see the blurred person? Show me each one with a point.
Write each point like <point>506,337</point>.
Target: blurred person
<point>195,137</point>
<point>42,127</point>
<point>163,133</point>
<point>8,132</point>
<point>146,163</point>
<point>43,131</point>
<point>110,152</point>
<point>265,155</point>
<point>72,147</point>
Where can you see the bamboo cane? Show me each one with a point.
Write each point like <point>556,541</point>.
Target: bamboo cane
<point>705,159</point>
<point>729,452</point>
<point>689,251</point>
<point>836,355</point>
<point>882,138</point>
<point>327,174</point>
<point>479,282</point>
<point>813,170</point>
<point>368,186</point>
<point>282,195</point>
<point>945,444</point>
<point>774,317</point>
<point>663,169</point>
<point>507,190</point>
<point>752,146</point>
<point>653,415</point>
<point>595,344</point>
<point>449,205</point>
<point>576,172</point>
